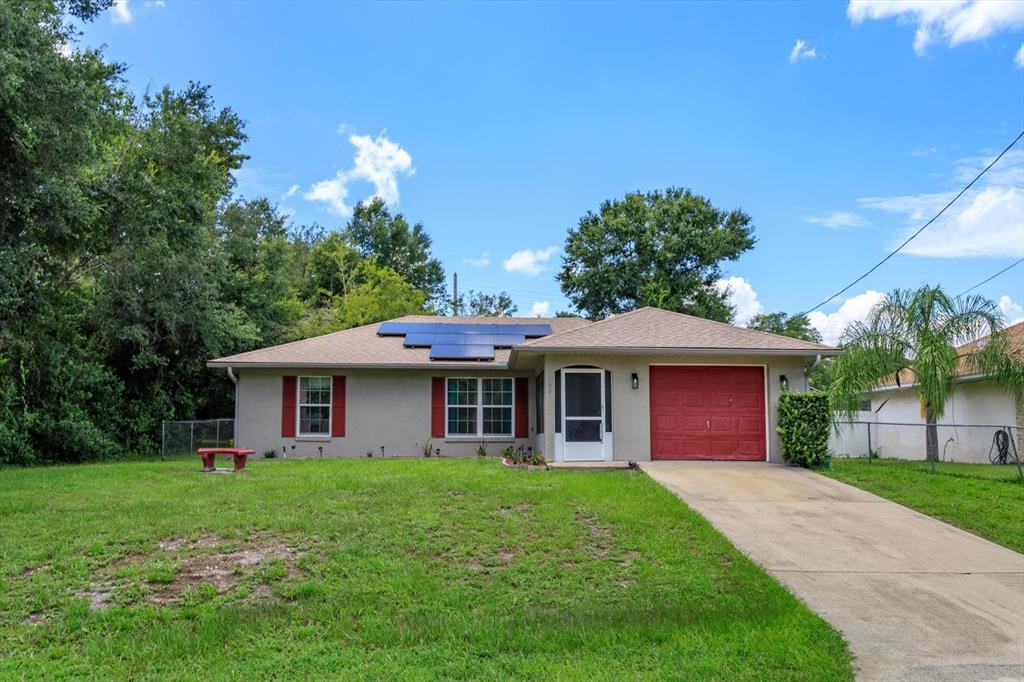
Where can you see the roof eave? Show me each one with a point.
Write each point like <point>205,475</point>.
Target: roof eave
<point>468,364</point>
<point>661,350</point>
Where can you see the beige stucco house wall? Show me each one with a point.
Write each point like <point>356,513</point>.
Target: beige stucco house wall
<point>383,407</point>
<point>391,407</point>
<point>631,425</point>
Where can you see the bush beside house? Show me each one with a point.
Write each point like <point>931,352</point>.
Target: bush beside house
<point>804,423</point>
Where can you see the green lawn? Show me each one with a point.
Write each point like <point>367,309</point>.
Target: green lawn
<point>985,499</point>
<point>370,569</point>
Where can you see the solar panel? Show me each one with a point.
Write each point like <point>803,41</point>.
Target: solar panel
<point>462,352</point>
<point>404,328</point>
<point>421,339</point>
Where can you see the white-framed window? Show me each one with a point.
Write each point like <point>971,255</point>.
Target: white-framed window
<point>314,406</point>
<point>479,407</point>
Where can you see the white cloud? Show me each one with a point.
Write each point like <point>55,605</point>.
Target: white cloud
<point>832,325</point>
<point>529,262</point>
<point>801,50</point>
<point>290,193</point>
<point>1012,311</point>
<point>984,222</point>
<point>925,151</point>
<point>482,262</point>
<point>377,161</point>
<point>952,21</point>
<point>122,13</point>
<point>838,219</point>
<point>540,308</point>
<point>1019,59</point>
<point>742,297</point>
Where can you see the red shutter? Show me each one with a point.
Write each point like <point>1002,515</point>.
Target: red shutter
<point>437,407</point>
<point>287,407</point>
<point>338,406</point>
<point>522,407</point>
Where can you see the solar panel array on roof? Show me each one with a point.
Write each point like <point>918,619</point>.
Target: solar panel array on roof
<point>403,328</point>
<point>461,341</point>
<point>463,351</point>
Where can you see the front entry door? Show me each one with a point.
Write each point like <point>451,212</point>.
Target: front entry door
<point>583,414</point>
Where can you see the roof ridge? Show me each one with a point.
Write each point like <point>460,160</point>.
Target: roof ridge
<point>619,316</point>
<point>735,326</point>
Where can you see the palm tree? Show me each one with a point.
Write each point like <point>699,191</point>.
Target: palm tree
<point>915,335</point>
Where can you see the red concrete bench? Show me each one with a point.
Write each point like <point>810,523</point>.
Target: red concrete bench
<point>240,455</point>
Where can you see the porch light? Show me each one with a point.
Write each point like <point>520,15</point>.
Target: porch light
<point>783,383</point>
<point>636,380</point>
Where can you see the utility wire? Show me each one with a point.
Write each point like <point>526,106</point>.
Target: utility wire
<point>1011,265</point>
<point>919,231</point>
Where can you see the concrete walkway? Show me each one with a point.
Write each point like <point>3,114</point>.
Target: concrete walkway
<point>917,599</point>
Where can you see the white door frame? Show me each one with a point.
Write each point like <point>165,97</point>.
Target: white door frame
<point>589,451</point>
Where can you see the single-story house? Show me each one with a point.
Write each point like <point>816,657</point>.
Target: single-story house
<point>975,401</point>
<point>648,384</point>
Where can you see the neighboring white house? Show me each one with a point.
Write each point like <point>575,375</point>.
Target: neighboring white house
<point>648,384</point>
<point>977,406</point>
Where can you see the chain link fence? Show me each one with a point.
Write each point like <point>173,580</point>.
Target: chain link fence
<point>184,437</point>
<point>960,443</point>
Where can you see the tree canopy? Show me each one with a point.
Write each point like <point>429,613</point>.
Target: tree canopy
<point>796,327</point>
<point>660,248</point>
<point>126,261</point>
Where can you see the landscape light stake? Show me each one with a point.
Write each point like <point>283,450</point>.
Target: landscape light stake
<point>382,452</point>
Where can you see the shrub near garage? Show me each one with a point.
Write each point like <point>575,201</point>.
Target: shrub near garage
<point>804,423</point>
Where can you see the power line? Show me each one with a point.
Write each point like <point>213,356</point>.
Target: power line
<point>919,231</point>
<point>1011,265</point>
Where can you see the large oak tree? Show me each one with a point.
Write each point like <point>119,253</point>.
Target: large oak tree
<point>661,248</point>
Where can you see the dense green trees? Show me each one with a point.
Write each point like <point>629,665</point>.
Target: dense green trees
<point>661,249</point>
<point>126,262</point>
<point>797,326</point>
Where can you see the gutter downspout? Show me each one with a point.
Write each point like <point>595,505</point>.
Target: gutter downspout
<point>234,380</point>
<point>807,372</point>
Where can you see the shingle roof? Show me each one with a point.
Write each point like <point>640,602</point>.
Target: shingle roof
<point>361,347</point>
<point>661,330</point>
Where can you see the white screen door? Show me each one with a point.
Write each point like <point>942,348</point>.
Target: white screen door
<point>583,414</point>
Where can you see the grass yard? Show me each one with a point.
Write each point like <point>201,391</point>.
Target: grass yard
<point>370,569</point>
<point>985,499</point>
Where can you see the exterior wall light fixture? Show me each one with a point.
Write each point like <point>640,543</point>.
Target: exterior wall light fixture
<point>636,380</point>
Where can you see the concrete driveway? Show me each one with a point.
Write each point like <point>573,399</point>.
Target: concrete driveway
<point>917,599</point>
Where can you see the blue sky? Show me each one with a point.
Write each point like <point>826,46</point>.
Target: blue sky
<point>838,128</point>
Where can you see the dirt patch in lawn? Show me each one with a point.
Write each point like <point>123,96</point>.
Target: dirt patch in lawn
<point>180,565</point>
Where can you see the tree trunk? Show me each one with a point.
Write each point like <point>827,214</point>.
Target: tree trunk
<point>931,435</point>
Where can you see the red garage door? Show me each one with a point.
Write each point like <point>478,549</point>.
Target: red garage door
<point>705,412</point>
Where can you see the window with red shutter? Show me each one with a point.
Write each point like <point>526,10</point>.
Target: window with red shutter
<point>338,407</point>
<point>437,407</point>
<point>522,407</point>
<point>288,391</point>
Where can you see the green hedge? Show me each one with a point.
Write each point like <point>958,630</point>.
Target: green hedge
<point>804,423</point>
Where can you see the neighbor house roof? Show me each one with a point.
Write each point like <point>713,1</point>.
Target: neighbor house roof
<point>656,330</point>
<point>361,347</point>
<point>1014,335</point>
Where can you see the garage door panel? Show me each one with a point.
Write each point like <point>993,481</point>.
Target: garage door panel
<point>707,412</point>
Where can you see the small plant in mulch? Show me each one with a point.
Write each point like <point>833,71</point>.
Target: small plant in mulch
<point>523,458</point>
<point>481,450</point>
<point>428,449</point>
<point>269,453</point>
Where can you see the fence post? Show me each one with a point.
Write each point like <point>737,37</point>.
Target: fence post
<point>191,436</point>
<point>218,433</point>
<point>871,455</point>
<point>163,438</point>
